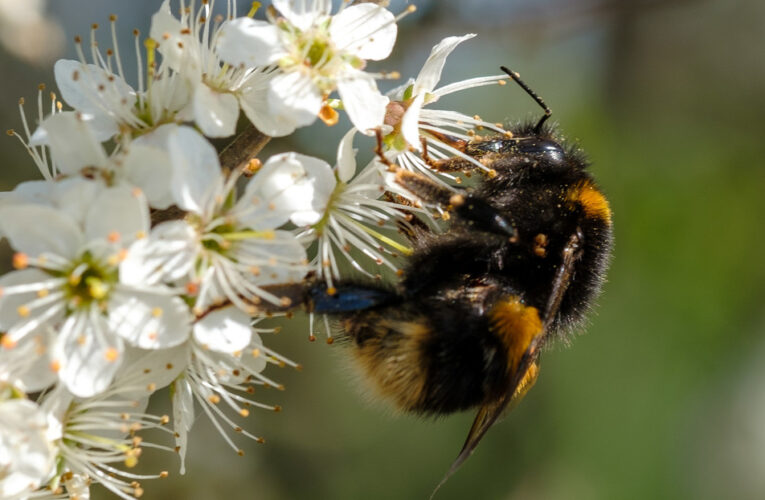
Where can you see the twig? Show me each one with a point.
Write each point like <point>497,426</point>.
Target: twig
<point>244,148</point>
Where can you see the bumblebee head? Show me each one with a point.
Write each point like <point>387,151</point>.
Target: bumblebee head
<point>527,154</point>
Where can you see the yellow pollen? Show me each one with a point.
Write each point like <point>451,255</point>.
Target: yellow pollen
<point>140,235</point>
<point>151,387</point>
<point>20,260</point>
<point>214,399</point>
<point>164,420</point>
<point>7,342</point>
<point>82,340</point>
<point>156,312</point>
<point>253,166</point>
<point>131,461</point>
<point>55,366</point>
<point>328,115</point>
<point>244,412</point>
<point>23,311</point>
<point>97,289</point>
<point>255,353</point>
<point>502,82</point>
<point>111,354</point>
<point>43,293</point>
<point>163,474</point>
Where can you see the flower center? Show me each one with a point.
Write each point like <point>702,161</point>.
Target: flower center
<point>89,281</point>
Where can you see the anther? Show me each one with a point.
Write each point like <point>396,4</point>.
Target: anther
<point>20,260</point>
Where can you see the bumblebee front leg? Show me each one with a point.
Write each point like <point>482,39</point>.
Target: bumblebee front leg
<point>473,209</point>
<point>455,164</point>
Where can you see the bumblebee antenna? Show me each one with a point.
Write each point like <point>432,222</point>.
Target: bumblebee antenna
<point>548,112</point>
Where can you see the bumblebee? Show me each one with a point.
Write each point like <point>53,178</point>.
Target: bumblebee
<point>521,263</point>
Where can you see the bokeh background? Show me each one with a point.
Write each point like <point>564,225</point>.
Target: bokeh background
<point>663,396</point>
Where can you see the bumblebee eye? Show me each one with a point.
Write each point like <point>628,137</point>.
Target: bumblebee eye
<point>549,150</point>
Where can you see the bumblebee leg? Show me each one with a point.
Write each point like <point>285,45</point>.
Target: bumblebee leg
<point>571,253</point>
<point>380,153</point>
<point>446,165</point>
<point>475,210</point>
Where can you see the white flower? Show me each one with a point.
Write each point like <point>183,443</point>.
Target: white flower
<point>218,376</point>
<point>111,105</point>
<point>96,436</point>
<point>344,214</point>
<point>316,54</point>
<point>74,149</point>
<point>224,249</point>
<point>68,253</point>
<point>187,46</point>
<point>409,122</point>
<point>27,364</point>
<point>27,457</point>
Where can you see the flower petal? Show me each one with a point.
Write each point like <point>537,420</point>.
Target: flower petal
<point>224,330</point>
<point>430,73</point>
<point>410,123</point>
<point>215,112</point>
<point>36,230</point>
<point>75,195</point>
<point>156,367</point>
<point>298,184</point>
<point>119,211</point>
<point>294,97</point>
<point>179,48</point>
<point>346,157</point>
<point>362,101</point>
<point>72,143</point>
<point>28,457</point>
<point>87,356</point>
<point>149,320</point>
<point>196,169</point>
<point>92,90</point>
<point>150,170</point>
<point>365,30</point>
<point>183,416</point>
<point>168,255</point>
<point>282,256</point>
<point>249,42</point>
<point>302,13</point>
<point>253,98</point>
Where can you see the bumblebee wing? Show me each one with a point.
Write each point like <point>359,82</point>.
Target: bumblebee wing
<point>528,368</point>
<point>490,413</point>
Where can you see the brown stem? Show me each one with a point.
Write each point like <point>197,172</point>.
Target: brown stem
<point>243,148</point>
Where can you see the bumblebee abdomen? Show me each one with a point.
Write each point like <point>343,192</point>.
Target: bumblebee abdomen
<point>441,356</point>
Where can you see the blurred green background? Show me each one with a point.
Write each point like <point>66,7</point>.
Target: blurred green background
<point>663,396</point>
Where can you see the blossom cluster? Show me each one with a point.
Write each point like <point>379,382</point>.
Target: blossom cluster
<point>144,259</point>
